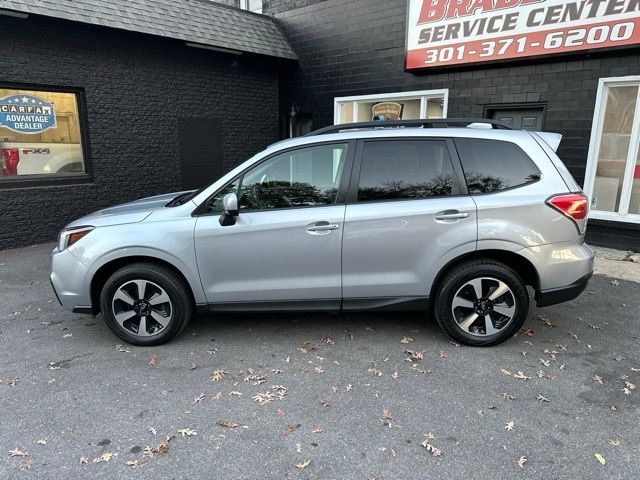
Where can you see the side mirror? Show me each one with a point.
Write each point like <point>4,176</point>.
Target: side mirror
<point>230,204</point>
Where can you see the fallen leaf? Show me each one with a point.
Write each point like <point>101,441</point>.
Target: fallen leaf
<point>386,415</point>
<point>152,430</point>
<point>42,441</point>
<point>600,458</point>
<point>615,283</point>
<point>26,465</point>
<point>613,408</point>
<point>415,355</point>
<point>134,463</point>
<point>187,432</point>
<point>227,424</point>
<point>193,366</point>
<point>105,457</point>
<point>198,399</point>
<point>304,464</point>
<point>318,430</point>
<point>288,430</point>
<point>506,372</point>
<point>542,399</point>
<point>162,447</point>
<point>521,376</point>
<point>299,447</point>
<point>217,375</point>
<point>153,361</point>
<point>509,425</point>
<point>406,340</point>
<point>436,452</point>
<point>67,335</point>
<point>395,375</point>
<point>508,395</point>
<point>528,332</point>
<point>84,460</point>
<point>376,371</point>
<point>597,379</point>
<point>615,443</point>
<point>521,461</point>
<point>264,398</point>
<point>280,412</point>
<point>18,453</point>
<point>235,393</point>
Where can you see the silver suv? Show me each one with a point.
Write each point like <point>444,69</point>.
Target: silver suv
<point>456,217</point>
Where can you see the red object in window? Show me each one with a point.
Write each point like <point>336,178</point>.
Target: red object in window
<point>11,159</point>
<point>573,205</point>
<point>636,172</point>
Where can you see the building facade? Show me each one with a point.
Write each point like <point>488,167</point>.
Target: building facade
<point>95,115</point>
<point>353,56</point>
<point>107,101</point>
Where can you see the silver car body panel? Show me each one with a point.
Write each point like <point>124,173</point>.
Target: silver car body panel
<point>379,250</point>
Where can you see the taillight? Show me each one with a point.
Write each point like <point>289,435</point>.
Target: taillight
<point>573,205</point>
<point>10,158</point>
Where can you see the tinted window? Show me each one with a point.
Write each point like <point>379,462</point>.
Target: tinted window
<point>301,178</point>
<point>397,169</point>
<point>492,165</point>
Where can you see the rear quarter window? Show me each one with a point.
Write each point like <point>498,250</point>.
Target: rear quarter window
<point>494,165</point>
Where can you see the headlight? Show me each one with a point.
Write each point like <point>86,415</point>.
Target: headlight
<point>72,235</point>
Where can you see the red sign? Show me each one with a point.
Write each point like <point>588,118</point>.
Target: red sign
<point>453,32</point>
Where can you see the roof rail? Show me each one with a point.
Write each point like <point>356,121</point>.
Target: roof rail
<point>430,123</point>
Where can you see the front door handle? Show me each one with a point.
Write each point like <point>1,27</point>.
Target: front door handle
<point>451,215</point>
<point>319,227</point>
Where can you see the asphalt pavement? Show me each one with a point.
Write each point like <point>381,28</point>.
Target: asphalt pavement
<point>316,396</point>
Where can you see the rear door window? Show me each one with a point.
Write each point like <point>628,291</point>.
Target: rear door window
<point>405,169</point>
<point>494,165</point>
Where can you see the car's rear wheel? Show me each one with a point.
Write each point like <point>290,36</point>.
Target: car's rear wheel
<point>146,304</point>
<point>481,303</point>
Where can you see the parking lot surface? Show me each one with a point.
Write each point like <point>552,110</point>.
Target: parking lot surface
<point>344,396</point>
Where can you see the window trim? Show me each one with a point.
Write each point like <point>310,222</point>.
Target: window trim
<point>354,184</point>
<point>422,95</point>
<point>342,186</point>
<point>56,179</point>
<point>594,148</point>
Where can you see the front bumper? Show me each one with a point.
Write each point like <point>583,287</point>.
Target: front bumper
<point>68,279</point>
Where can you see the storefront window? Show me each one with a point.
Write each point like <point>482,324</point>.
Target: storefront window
<point>613,169</point>
<point>39,133</point>
<point>399,106</point>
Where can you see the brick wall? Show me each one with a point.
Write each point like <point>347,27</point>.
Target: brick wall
<point>354,47</point>
<point>136,86</point>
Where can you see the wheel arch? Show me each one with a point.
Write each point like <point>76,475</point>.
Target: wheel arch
<point>105,271</point>
<point>519,264</point>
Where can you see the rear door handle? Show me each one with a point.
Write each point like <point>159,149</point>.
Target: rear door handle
<point>319,227</point>
<point>451,215</point>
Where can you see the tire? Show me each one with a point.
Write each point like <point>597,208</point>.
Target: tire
<point>455,305</point>
<point>163,310</point>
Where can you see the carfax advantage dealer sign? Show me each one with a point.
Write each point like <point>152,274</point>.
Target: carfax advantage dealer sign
<point>453,32</point>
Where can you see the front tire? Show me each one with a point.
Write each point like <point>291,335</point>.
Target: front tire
<point>146,304</point>
<point>481,303</point>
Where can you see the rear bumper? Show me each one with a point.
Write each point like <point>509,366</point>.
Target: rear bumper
<point>544,298</point>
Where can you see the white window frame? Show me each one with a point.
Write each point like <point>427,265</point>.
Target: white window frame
<point>622,215</point>
<point>422,95</point>
<point>244,5</point>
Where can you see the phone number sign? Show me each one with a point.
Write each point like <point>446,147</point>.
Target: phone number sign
<point>455,32</point>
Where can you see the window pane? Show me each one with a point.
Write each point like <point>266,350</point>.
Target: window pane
<point>614,147</point>
<point>405,169</point>
<point>634,205</point>
<point>301,178</point>
<point>492,165</point>
<point>39,133</point>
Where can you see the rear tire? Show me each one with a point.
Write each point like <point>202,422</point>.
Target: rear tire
<point>481,303</point>
<point>146,304</point>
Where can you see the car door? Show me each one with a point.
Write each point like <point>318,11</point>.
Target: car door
<point>284,249</point>
<point>407,215</point>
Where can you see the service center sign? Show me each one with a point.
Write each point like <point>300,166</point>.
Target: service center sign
<point>452,32</point>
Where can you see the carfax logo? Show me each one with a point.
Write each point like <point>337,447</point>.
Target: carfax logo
<point>27,114</point>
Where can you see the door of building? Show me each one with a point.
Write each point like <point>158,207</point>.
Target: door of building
<point>524,118</point>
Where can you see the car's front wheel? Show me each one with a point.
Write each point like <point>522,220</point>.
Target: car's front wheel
<point>481,303</point>
<point>145,304</point>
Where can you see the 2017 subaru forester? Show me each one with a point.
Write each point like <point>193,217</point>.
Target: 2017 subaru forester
<point>458,216</point>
